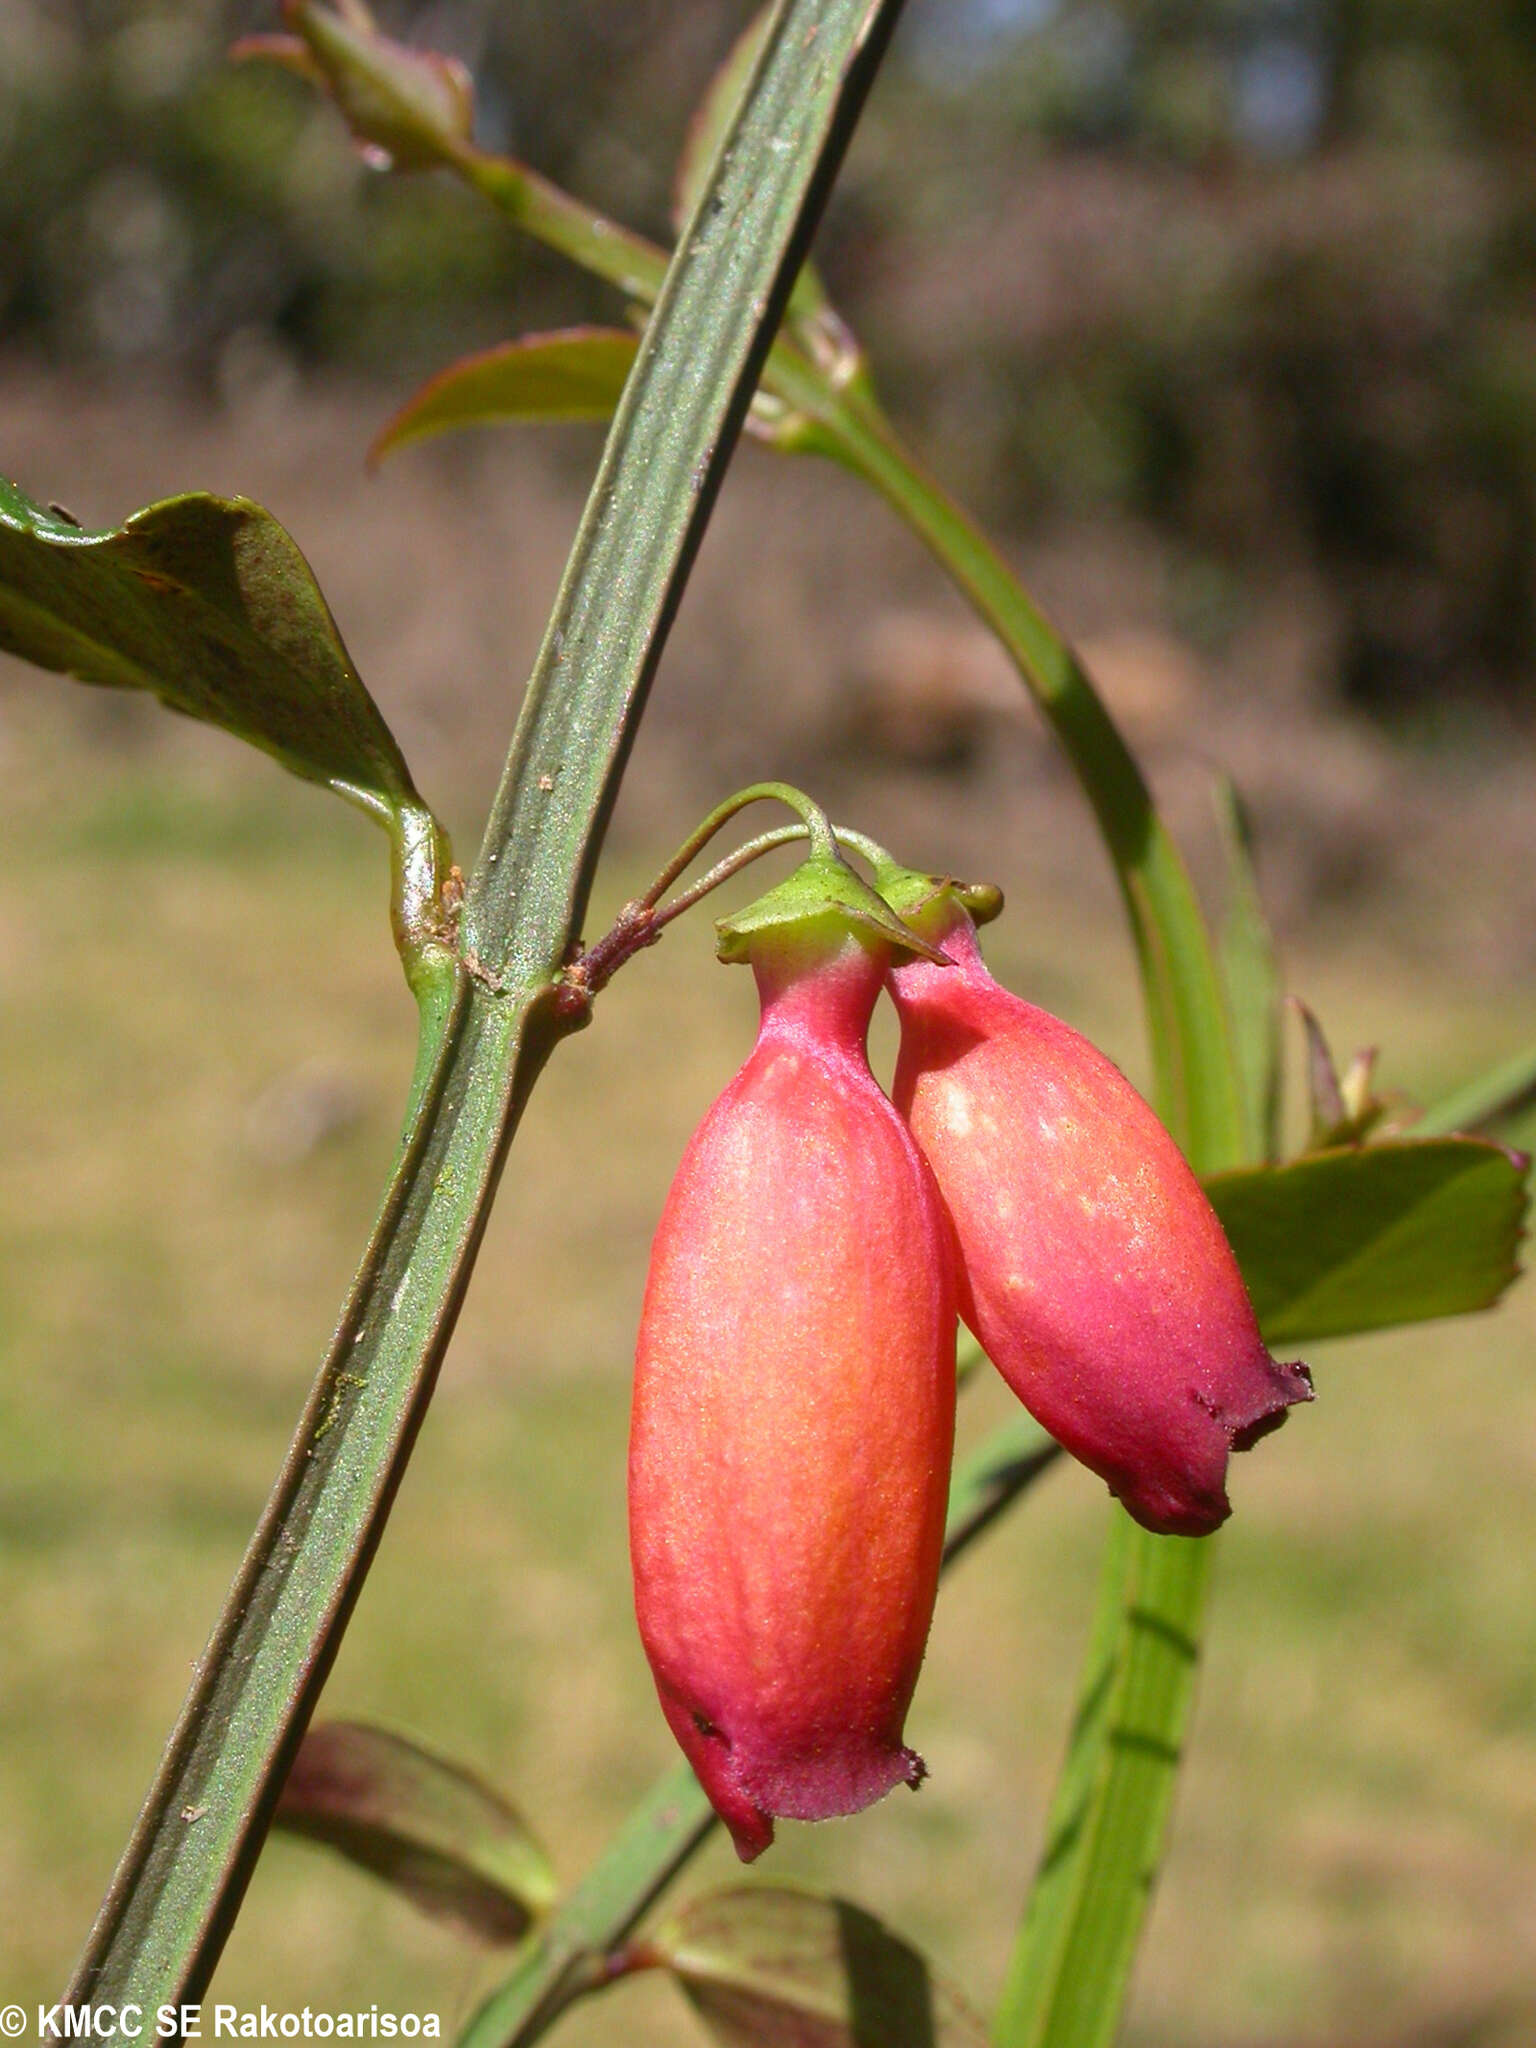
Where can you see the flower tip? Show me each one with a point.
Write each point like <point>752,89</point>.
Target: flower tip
<point>1188,1497</point>
<point>1293,1385</point>
<point>1181,1514</point>
<point>751,1833</point>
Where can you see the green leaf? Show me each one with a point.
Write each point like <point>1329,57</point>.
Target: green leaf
<point>208,604</point>
<point>1338,1242</point>
<point>1488,1100</point>
<point>425,1826</point>
<point>770,1967</point>
<point>576,373</point>
<point>707,130</point>
<point>1252,979</point>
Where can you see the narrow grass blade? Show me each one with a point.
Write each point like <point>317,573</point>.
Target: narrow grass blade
<point>1251,978</point>
<point>178,1888</point>
<point>1066,1981</point>
<point>1485,1102</point>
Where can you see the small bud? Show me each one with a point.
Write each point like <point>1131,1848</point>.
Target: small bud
<point>794,1407</point>
<point>1094,1271</point>
<point>408,109</point>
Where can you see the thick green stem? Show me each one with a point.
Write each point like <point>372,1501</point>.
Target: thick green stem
<point>179,1885</point>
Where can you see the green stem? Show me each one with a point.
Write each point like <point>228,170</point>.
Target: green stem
<point>814,825</point>
<point>571,1957</point>
<point>178,1888</point>
<point>723,870</point>
<point>563,223</point>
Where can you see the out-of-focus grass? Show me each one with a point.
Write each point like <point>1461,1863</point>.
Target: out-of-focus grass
<point>193,963</point>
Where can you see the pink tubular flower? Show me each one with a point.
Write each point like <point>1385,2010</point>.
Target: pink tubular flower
<point>1094,1271</point>
<point>794,1409</point>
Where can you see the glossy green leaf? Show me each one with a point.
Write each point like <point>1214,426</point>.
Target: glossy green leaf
<point>208,604</point>
<point>1338,1242</point>
<point>577,373</point>
<point>1252,980</point>
<point>1504,1092</point>
<point>768,1967</point>
<point>427,1827</point>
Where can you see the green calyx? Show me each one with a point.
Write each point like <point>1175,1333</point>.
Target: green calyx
<point>926,903</point>
<point>823,892</point>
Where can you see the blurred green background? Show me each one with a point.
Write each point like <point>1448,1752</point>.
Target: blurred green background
<point>1221,314</point>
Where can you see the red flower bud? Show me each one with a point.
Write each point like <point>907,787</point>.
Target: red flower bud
<point>1094,1271</point>
<point>794,1411</point>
